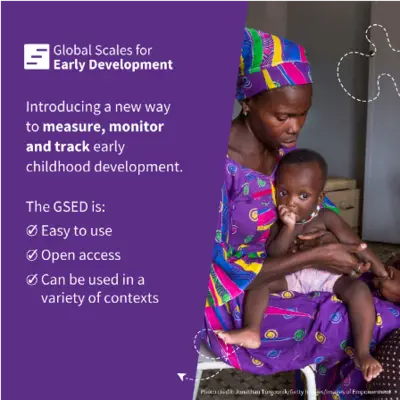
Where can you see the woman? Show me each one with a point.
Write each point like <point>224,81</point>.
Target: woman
<point>275,91</point>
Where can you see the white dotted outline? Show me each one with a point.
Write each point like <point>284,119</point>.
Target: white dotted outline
<point>225,357</point>
<point>204,379</point>
<point>369,55</point>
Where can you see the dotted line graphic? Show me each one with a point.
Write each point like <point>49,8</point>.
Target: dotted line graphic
<point>223,358</point>
<point>204,379</point>
<point>372,54</point>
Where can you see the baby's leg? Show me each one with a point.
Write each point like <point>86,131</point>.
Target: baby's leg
<point>255,303</point>
<point>358,298</point>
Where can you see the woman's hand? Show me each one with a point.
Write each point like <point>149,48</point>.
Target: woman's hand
<point>334,257</point>
<point>338,258</point>
<point>311,240</point>
<point>315,239</point>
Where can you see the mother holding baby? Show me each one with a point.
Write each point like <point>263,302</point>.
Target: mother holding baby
<point>275,91</point>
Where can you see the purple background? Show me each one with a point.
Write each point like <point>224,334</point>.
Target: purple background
<point>163,224</point>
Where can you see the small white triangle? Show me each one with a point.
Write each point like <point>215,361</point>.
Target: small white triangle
<point>181,375</point>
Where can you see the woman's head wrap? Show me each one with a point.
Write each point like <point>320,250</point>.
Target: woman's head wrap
<point>268,62</point>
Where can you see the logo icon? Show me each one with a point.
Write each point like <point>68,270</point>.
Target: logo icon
<point>37,56</point>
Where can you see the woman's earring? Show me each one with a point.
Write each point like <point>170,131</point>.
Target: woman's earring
<point>245,113</point>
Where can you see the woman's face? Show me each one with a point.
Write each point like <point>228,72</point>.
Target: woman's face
<point>277,116</point>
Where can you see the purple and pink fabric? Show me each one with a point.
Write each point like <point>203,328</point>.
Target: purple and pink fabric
<point>298,329</point>
<point>269,62</point>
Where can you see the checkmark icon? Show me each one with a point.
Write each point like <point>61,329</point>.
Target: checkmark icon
<point>32,280</point>
<point>32,255</point>
<point>32,230</point>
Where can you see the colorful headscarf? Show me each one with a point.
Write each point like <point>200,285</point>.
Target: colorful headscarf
<point>268,62</point>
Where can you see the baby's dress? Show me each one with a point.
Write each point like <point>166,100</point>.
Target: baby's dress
<point>311,280</point>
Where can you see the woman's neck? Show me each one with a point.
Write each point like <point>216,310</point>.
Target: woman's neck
<point>246,149</point>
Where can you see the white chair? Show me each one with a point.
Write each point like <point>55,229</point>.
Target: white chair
<point>207,361</point>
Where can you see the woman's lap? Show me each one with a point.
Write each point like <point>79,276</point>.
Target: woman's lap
<point>300,330</point>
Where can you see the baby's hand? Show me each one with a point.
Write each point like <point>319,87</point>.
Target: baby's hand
<point>286,216</point>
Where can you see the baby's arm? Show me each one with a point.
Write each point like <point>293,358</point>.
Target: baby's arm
<point>345,235</point>
<point>282,234</point>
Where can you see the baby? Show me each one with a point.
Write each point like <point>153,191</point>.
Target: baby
<point>300,181</point>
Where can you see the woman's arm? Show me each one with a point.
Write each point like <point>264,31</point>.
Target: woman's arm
<point>335,257</point>
<point>278,267</point>
<point>346,235</point>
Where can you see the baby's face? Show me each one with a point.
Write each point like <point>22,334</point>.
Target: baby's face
<point>299,188</point>
<point>389,288</point>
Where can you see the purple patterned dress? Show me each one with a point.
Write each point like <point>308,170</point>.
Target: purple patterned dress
<point>298,329</point>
